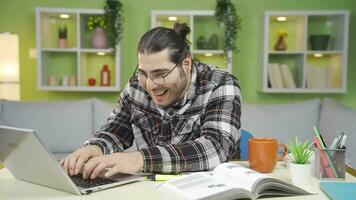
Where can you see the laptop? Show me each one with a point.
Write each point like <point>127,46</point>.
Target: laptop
<point>28,159</point>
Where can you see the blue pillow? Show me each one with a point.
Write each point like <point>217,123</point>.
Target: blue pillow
<point>245,135</point>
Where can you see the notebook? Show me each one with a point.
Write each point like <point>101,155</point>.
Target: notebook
<point>22,147</point>
<point>339,190</point>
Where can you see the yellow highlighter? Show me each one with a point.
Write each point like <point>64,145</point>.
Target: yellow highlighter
<point>164,177</point>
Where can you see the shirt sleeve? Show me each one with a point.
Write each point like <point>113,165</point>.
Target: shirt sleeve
<point>220,130</point>
<point>116,133</point>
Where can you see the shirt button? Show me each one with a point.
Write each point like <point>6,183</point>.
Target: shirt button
<point>170,113</point>
<point>188,126</point>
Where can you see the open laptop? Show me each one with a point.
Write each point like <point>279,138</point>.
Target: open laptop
<point>28,159</point>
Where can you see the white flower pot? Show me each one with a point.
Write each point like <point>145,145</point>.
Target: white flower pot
<point>300,173</point>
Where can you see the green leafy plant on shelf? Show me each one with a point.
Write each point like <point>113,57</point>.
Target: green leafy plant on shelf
<point>96,21</point>
<point>300,151</point>
<point>226,16</point>
<point>115,18</point>
<point>62,31</point>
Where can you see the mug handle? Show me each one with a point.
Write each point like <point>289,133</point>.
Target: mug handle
<point>285,151</point>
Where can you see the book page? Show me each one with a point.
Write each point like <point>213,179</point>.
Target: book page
<point>238,175</point>
<point>196,186</point>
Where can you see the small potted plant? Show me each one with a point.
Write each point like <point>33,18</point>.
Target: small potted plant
<point>62,36</point>
<point>300,167</point>
<point>97,24</point>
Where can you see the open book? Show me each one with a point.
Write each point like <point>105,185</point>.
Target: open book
<point>227,181</point>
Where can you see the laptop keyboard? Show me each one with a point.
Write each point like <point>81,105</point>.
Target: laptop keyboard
<point>88,183</point>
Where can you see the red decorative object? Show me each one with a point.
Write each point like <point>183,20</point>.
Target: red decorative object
<point>91,81</point>
<point>105,76</point>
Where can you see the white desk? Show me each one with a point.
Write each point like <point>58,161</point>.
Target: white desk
<point>11,188</point>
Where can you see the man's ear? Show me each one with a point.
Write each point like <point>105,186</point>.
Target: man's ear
<point>187,64</point>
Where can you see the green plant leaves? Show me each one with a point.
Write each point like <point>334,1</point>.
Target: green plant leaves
<point>225,14</point>
<point>300,151</point>
<point>115,20</point>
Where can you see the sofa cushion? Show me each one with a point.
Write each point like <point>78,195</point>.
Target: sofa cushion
<point>281,121</point>
<point>334,118</point>
<point>62,126</point>
<point>102,110</point>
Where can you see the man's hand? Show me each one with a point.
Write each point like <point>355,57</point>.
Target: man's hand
<point>73,163</point>
<point>114,163</point>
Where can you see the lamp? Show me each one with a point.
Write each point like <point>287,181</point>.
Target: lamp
<point>9,66</point>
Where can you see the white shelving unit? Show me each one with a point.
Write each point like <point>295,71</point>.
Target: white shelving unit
<point>203,24</point>
<point>79,60</point>
<point>313,69</point>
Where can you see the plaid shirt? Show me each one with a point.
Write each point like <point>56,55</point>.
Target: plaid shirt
<point>196,133</point>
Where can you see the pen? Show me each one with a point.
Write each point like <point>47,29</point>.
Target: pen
<point>339,140</point>
<point>343,141</point>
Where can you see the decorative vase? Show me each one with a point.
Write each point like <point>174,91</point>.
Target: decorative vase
<point>99,39</point>
<point>213,42</point>
<point>319,42</point>
<point>201,42</point>
<point>105,76</point>
<point>300,174</point>
<point>281,44</point>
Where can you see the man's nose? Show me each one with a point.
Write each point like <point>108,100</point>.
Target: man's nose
<point>150,84</point>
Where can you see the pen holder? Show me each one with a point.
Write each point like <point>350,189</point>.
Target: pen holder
<point>330,164</point>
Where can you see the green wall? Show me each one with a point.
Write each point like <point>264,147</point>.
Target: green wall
<point>18,16</point>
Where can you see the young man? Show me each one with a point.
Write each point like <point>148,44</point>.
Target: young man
<point>183,116</point>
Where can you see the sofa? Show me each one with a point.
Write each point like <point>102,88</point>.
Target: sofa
<point>64,126</point>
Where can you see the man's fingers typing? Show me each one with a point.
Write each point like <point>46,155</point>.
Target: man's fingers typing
<point>79,164</point>
<point>90,166</point>
<point>112,171</point>
<point>71,164</point>
<point>98,169</point>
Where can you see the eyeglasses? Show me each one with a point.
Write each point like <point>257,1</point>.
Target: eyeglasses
<point>157,78</point>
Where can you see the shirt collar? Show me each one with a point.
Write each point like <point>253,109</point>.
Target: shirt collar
<point>191,93</point>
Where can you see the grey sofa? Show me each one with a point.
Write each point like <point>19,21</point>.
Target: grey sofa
<point>64,126</point>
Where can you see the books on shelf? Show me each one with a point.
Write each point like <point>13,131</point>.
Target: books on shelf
<point>227,181</point>
<point>280,76</point>
<point>287,76</point>
<point>275,76</point>
<point>319,77</point>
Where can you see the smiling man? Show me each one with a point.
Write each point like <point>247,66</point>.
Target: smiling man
<point>182,115</point>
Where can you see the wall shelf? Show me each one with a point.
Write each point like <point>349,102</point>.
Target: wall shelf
<point>203,27</point>
<point>77,62</point>
<point>307,67</point>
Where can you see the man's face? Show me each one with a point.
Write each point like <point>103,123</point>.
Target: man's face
<point>175,83</point>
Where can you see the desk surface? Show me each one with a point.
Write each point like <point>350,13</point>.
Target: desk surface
<point>11,188</point>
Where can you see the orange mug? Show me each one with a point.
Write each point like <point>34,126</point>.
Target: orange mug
<point>262,154</point>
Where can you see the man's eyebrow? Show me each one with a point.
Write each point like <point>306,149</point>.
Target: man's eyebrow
<point>154,71</point>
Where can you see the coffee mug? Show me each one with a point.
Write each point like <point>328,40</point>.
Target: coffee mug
<point>262,154</point>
